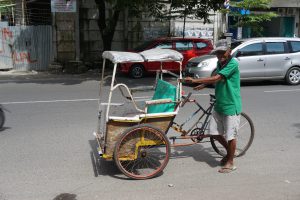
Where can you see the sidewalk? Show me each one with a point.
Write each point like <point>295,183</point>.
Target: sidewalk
<point>13,75</point>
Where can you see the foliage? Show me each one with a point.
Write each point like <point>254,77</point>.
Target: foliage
<point>5,5</point>
<point>259,12</point>
<point>197,9</point>
<point>109,12</point>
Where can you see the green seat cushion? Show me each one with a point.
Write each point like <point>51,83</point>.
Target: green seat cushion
<point>163,90</point>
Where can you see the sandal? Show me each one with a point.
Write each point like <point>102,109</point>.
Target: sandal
<point>227,169</point>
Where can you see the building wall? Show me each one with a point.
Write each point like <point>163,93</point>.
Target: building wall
<point>64,40</point>
<point>286,3</point>
<point>287,11</point>
<point>25,47</point>
<point>90,38</point>
<point>132,31</point>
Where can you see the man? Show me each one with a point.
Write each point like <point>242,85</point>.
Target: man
<point>226,115</point>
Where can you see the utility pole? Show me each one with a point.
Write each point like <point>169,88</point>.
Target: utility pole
<point>77,36</point>
<point>23,13</point>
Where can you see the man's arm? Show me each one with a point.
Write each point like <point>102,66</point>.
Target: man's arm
<point>208,80</point>
<point>203,81</point>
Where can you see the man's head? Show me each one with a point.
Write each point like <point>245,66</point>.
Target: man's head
<point>222,53</point>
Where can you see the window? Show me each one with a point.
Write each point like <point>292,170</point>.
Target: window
<point>275,47</point>
<point>182,46</point>
<point>251,50</point>
<point>164,45</point>
<point>201,45</point>
<point>295,46</point>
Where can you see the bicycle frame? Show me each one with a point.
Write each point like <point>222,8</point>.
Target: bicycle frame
<point>184,133</point>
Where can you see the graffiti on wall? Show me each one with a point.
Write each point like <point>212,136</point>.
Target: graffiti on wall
<point>155,32</point>
<point>10,54</point>
<point>207,33</point>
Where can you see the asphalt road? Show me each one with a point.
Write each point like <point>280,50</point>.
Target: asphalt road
<point>46,145</point>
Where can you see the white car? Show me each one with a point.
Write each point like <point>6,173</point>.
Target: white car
<point>259,59</point>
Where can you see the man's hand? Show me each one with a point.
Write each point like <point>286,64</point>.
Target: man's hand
<point>199,87</point>
<point>188,80</point>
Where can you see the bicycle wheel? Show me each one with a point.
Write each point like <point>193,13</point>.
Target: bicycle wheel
<point>244,138</point>
<point>142,152</point>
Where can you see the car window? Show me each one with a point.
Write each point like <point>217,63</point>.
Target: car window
<point>295,46</point>
<point>251,50</point>
<point>201,45</point>
<point>275,47</point>
<point>164,45</point>
<point>183,45</point>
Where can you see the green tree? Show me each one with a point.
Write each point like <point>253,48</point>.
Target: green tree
<point>259,11</point>
<point>109,12</point>
<point>193,9</point>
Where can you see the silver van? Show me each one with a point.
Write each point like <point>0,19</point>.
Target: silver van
<point>259,59</point>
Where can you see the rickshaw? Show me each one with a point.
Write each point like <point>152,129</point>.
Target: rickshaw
<point>136,140</point>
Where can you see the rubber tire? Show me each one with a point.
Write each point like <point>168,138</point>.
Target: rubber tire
<point>240,153</point>
<point>125,134</point>
<point>137,71</point>
<point>2,118</point>
<point>287,77</point>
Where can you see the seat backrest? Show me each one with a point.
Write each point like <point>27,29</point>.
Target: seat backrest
<point>163,90</point>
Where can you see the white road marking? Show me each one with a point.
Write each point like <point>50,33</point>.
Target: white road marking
<point>142,98</point>
<point>64,100</point>
<point>273,91</point>
<point>49,101</point>
<point>200,94</point>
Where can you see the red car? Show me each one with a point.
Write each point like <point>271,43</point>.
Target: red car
<point>189,47</point>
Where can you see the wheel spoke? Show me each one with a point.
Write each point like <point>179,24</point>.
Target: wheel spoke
<point>151,158</point>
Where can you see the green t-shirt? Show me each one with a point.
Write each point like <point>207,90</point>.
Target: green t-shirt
<point>227,90</point>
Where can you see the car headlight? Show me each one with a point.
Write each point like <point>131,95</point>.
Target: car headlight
<point>203,64</point>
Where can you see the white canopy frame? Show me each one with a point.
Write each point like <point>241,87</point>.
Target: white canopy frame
<point>117,57</point>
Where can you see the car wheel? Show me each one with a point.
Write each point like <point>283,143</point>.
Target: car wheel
<point>293,76</point>
<point>137,71</point>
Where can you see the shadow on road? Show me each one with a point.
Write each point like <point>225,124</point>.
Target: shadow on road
<point>102,167</point>
<point>4,128</point>
<point>298,126</point>
<point>65,196</point>
<point>198,153</point>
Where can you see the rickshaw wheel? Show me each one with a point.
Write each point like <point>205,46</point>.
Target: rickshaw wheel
<point>142,152</point>
<point>244,138</point>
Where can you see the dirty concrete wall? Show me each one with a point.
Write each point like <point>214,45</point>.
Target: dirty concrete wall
<point>129,31</point>
<point>25,48</point>
<point>64,36</point>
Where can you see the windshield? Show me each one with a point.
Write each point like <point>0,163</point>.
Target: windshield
<point>143,46</point>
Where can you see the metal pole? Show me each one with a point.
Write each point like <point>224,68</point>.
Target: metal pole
<point>183,32</point>
<point>77,40</point>
<point>23,12</point>
<point>13,15</point>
